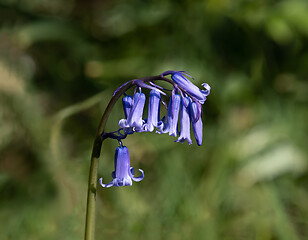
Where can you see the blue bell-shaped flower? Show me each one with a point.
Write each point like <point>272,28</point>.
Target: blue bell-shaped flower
<point>124,173</point>
<point>134,121</point>
<point>173,115</point>
<point>179,78</point>
<point>196,122</point>
<point>185,122</point>
<point>153,112</point>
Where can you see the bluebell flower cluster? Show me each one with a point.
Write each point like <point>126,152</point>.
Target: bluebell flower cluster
<point>186,101</point>
<point>184,111</point>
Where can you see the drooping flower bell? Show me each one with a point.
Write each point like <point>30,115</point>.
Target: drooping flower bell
<point>179,78</point>
<point>196,122</point>
<point>127,102</point>
<point>173,115</point>
<point>135,117</point>
<point>153,112</point>
<point>185,121</point>
<point>134,121</point>
<point>124,173</point>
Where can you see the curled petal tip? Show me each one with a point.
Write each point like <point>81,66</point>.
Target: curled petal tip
<point>123,123</point>
<point>105,185</point>
<point>206,86</point>
<point>160,126</point>
<point>136,179</point>
<point>207,90</point>
<point>148,127</point>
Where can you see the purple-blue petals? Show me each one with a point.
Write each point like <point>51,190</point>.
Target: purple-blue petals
<point>153,112</point>
<point>127,102</point>
<point>196,122</point>
<point>173,115</point>
<point>184,94</point>
<point>134,121</point>
<point>179,78</point>
<point>135,117</point>
<point>185,122</point>
<point>124,173</point>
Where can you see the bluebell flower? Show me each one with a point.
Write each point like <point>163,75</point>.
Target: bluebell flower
<point>179,78</point>
<point>134,121</point>
<point>153,112</point>
<point>173,115</point>
<point>185,121</point>
<point>135,117</point>
<point>124,173</point>
<point>196,121</point>
<point>127,102</point>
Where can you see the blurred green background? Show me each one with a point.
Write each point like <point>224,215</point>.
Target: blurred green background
<point>60,61</point>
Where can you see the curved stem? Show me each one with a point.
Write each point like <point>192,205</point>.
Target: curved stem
<point>96,150</point>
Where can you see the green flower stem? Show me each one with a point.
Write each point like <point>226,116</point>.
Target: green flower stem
<point>96,150</point>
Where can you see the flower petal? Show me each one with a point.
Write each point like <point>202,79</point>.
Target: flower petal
<point>160,126</point>
<point>136,179</point>
<point>148,127</point>
<point>105,185</point>
<point>119,182</point>
<point>123,123</point>
<point>173,115</point>
<point>188,86</point>
<point>185,122</point>
<point>153,112</point>
<point>127,102</point>
<point>135,117</point>
<point>207,89</point>
<point>196,122</point>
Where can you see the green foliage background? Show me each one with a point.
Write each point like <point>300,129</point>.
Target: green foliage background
<point>60,61</point>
